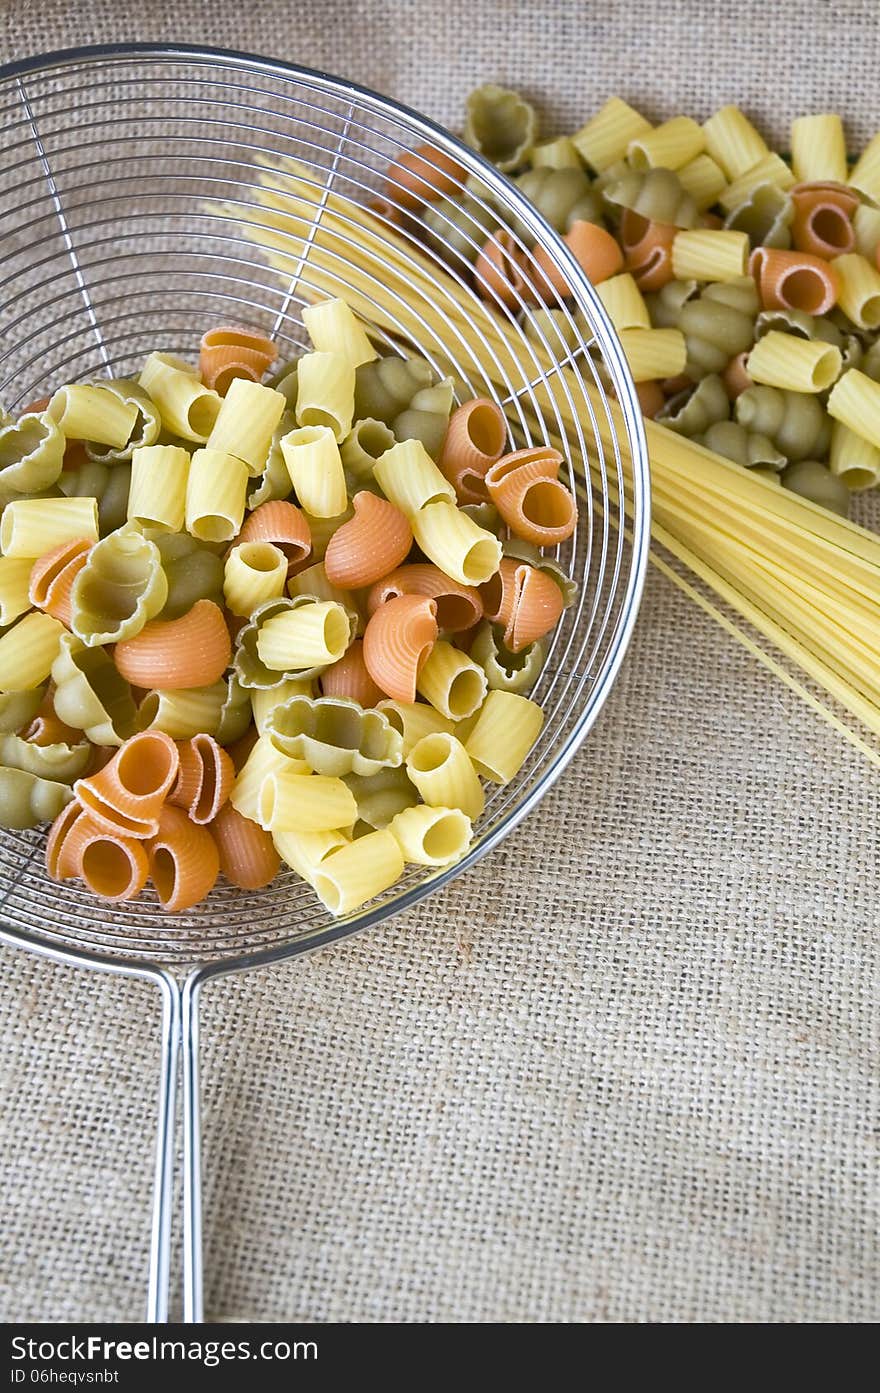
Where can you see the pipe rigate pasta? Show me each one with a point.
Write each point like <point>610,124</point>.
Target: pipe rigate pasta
<point>794,280</point>
<point>459,607</point>
<point>474,441</point>
<point>90,693</point>
<point>184,862</point>
<point>334,735</point>
<point>59,762</point>
<point>397,641</point>
<point>718,324</point>
<point>501,125</point>
<point>51,577</point>
<point>372,543</point>
<point>192,651</point>
<point>594,249</point>
<point>227,352</point>
<point>766,217</point>
<point>205,776</point>
<point>128,794</point>
<point>531,500</point>
<point>349,678</point>
<point>247,854</point>
<point>121,586</point>
<point>31,454</point>
<point>823,218</point>
<point>749,448</point>
<point>427,417</point>
<point>524,601</point>
<point>144,431</point>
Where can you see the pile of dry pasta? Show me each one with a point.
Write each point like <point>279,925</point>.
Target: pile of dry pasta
<point>744,394</point>
<point>247,622</point>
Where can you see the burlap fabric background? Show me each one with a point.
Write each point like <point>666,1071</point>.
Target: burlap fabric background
<point>625,1070</point>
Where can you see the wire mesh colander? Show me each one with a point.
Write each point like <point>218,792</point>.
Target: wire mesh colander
<point>131,181</point>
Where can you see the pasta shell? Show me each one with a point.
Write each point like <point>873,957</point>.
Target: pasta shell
<point>53,574</point>
<point>350,678</point>
<point>458,606</point>
<point>184,861</point>
<point>247,854</point>
<point>368,546</point>
<point>205,777</point>
<point>822,222</point>
<point>647,250</point>
<point>500,270</point>
<point>284,525</point>
<point>595,250</point>
<point>397,641</point>
<point>474,440</point>
<point>423,175</point>
<point>499,594</point>
<point>111,865</point>
<point>530,499</point>
<point>227,352</point>
<point>794,280</point>
<point>127,795</point>
<point>193,651</point>
<point>46,727</point>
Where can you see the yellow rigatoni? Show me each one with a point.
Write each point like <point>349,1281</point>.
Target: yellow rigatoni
<point>818,149</point>
<point>333,329</point>
<point>854,460</point>
<point>667,146</point>
<point>624,302</point>
<point>88,412</point>
<point>314,635</point>
<point>246,422</point>
<point>315,468</point>
<point>703,179</point>
<point>304,851</point>
<point>453,684</point>
<point>32,526</point>
<point>414,720</point>
<point>15,575</point>
<point>454,542</point>
<point>733,142</point>
<point>431,836</point>
<point>709,255</point>
<point>793,363</point>
<point>772,169</point>
<point>157,493</point>
<point>27,652</point>
<point>262,761</point>
<point>410,479</point>
<point>188,408</point>
<point>866,225</point>
<point>855,402</point>
<point>507,727</point>
<point>607,136</point>
<point>859,294</point>
<point>292,802</point>
<point>654,353</point>
<point>216,490</point>
<point>865,174</point>
<point>355,873</point>
<point>254,572</point>
<point>325,392</point>
<point>442,771</point>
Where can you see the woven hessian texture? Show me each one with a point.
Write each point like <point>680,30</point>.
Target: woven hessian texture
<point>626,1069</point>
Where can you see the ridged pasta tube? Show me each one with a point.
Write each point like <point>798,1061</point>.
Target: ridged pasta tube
<point>246,421</point>
<point>431,836</point>
<point>505,731</point>
<point>216,489</point>
<point>146,428</point>
<point>33,526</point>
<point>325,392</point>
<point>333,328</point>
<point>442,771</point>
<point>157,492</point>
<point>188,408</point>
<point>608,134</point>
<point>28,651</point>
<point>358,871</point>
<point>86,411</point>
<point>667,146</point>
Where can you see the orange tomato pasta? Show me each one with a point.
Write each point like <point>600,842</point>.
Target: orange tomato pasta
<point>474,440</point>
<point>204,778</point>
<point>183,861</point>
<point>53,574</point>
<point>227,352</point>
<point>171,654</point>
<point>459,607</point>
<point>822,223</point>
<point>423,175</point>
<point>369,545</point>
<point>397,641</point>
<point>246,853</point>
<point>282,524</point>
<point>127,795</point>
<point>793,280</point>
<point>349,678</point>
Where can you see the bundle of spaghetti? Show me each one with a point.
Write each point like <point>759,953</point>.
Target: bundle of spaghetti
<point>806,580</point>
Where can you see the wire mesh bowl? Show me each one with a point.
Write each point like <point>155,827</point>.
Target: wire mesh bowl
<point>134,186</point>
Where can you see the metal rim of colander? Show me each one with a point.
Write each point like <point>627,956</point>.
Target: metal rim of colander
<point>418,128</point>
